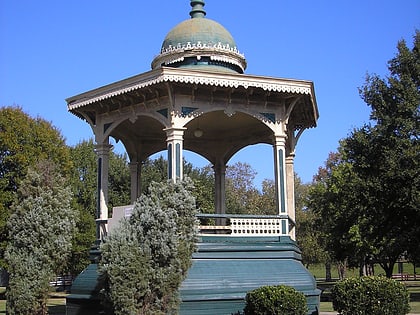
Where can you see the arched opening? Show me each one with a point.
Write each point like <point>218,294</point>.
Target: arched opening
<point>222,134</point>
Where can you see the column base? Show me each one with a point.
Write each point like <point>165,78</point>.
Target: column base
<point>84,298</point>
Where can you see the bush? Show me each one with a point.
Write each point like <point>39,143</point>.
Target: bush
<point>40,237</point>
<point>370,295</point>
<point>275,300</point>
<point>146,258</point>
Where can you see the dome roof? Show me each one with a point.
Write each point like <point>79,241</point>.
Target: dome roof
<point>200,43</point>
<point>197,30</point>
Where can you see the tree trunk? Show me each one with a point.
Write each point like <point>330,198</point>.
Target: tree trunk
<point>342,269</point>
<point>388,268</point>
<point>328,271</point>
<point>361,269</point>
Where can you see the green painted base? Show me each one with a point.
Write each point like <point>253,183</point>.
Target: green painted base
<point>84,297</point>
<point>224,269</point>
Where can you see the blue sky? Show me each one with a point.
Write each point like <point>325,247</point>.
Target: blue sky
<point>51,50</point>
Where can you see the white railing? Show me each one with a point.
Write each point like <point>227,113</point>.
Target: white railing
<point>246,225</point>
<point>225,224</point>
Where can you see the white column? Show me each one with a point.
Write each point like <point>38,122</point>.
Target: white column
<point>220,191</point>
<point>290,185</point>
<point>135,181</point>
<point>280,179</point>
<point>102,151</point>
<point>174,140</point>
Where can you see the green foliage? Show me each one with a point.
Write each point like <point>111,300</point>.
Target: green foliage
<point>241,195</point>
<point>153,171</point>
<point>119,180</point>
<point>336,204</point>
<point>41,228</point>
<point>275,300</point>
<point>23,142</point>
<point>368,193</point>
<point>146,258</point>
<point>84,176</point>
<point>157,171</point>
<point>370,295</point>
<point>308,234</point>
<point>203,191</point>
<point>84,185</point>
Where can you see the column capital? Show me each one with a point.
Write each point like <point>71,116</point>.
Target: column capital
<point>133,165</point>
<point>103,148</point>
<point>219,167</point>
<point>174,133</point>
<point>280,140</point>
<point>290,158</point>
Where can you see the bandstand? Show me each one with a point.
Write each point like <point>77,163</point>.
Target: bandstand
<point>196,97</point>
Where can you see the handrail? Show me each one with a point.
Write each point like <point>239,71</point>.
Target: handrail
<point>241,216</point>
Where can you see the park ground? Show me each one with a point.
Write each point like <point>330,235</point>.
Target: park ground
<point>57,301</point>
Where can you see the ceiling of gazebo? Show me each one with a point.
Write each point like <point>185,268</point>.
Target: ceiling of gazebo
<point>222,135</point>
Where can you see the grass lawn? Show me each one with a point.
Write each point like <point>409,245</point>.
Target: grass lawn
<point>57,307</point>
<point>413,286</point>
<point>327,307</point>
<point>318,270</point>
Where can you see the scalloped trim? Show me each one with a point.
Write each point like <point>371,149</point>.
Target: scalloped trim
<point>194,79</point>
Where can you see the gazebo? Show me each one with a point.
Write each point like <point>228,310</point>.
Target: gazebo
<point>196,97</point>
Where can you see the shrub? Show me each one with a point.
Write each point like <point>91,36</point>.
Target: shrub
<point>146,258</point>
<point>275,300</point>
<point>370,295</point>
<point>40,237</point>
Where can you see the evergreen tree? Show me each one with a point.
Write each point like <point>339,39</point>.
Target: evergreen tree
<point>41,228</point>
<point>23,142</point>
<point>145,259</point>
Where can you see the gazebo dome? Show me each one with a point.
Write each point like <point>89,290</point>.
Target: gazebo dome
<point>200,43</point>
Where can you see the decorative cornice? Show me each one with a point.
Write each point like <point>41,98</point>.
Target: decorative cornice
<point>189,46</point>
<point>218,52</point>
<point>190,77</point>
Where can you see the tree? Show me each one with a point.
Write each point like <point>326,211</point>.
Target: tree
<point>308,234</point>
<point>156,170</point>
<point>241,195</point>
<point>146,257</point>
<point>268,197</point>
<point>386,154</point>
<point>153,170</point>
<point>119,180</point>
<point>369,198</point>
<point>203,192</point>
<point>41,228</point>
<point>334,201</point>
<point>23,142</point>
<point>84,185</point>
